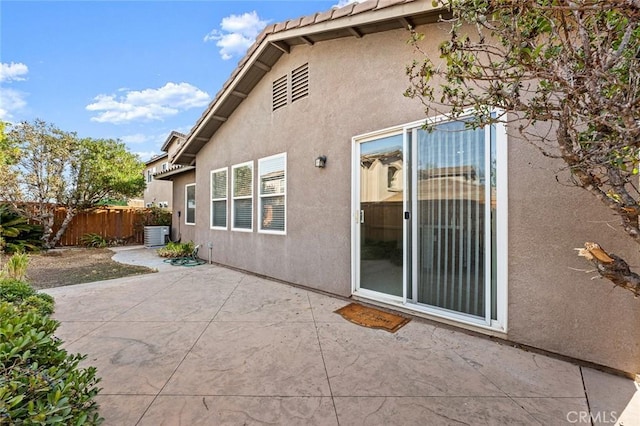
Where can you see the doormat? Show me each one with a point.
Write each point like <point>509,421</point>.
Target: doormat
<point>372,318</point>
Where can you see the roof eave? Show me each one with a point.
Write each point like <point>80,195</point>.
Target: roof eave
<point>169,174</point>
<point>277,44</point>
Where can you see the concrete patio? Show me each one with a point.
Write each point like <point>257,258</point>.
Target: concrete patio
<point>209,345</point>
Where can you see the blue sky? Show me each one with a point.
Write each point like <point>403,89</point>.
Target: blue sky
<point>128,70</point>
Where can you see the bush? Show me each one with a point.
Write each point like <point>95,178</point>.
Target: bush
<point>156,216</point>
<point>177,249</point>
<point>93,240</point>
<point>16,233</point>
<point>16,267</point>
<point>24,297</point>
<point>40,383</point>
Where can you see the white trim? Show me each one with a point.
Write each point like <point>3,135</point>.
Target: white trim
<point>226,199</point>
<point>186,203</point>
<point>261,197</point>
<point>502,219</point>
<point>247,197</point>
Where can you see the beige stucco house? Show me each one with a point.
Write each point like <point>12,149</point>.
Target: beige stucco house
<point>159,172</point>
<point>464,227</point>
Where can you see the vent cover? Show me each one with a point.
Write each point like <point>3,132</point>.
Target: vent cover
<point>280,93</point>
<point>300,82</point>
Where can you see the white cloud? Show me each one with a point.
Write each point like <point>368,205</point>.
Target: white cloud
<point>148,104</point>
<point>12,71</point>
<point>343,3</point>
<point>135,139</point>
<point>236,34</point>
<point>10,101</point>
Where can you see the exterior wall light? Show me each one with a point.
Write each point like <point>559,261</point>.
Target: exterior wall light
<point>321,161</point>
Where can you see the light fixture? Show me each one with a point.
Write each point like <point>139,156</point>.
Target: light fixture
<point>321,161</point>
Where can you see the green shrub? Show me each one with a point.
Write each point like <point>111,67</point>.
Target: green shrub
<point>40,383</point>
<point>16,267</point>
<point>24,297</point>
<point>93,240</point>
<point>156,216</point>
<point>16,233</point>
<point>177,249</point>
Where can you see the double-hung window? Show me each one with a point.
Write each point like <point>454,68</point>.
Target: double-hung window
<point>190,204</point>
<point>272,193</point>
<point>242,200</point>
<point>219,199</point>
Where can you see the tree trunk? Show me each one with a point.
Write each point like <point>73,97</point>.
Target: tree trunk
<point>71,213</point>
<point>611,267</point>
<point>47,228</point>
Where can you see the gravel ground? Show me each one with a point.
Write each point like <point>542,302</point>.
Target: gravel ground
<point>68,266</point>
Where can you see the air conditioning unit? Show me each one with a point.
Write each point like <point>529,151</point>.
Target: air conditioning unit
<point>156,235</point>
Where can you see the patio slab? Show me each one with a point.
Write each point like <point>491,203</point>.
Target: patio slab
<point>210,345</point>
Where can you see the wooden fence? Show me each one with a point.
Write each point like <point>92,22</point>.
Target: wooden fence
<point>124,224</point>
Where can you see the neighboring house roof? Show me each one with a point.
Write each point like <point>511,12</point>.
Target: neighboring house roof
<point>353,20</point>
<point>156,158</point>
<point>172,171</point>
<point>172,137</point>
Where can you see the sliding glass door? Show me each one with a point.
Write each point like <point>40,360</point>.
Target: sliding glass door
<point>380,215</point>
<point>427,229</point>
<point>453,209</point>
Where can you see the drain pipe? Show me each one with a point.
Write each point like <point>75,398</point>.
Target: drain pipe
<point>210,246</point>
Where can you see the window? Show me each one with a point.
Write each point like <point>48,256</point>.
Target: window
<point>272,193</point>
<point>149,175</point>
<point>165,166</point>
<point>190,204</point>
<point>242,184</point>
<point>219,199</point>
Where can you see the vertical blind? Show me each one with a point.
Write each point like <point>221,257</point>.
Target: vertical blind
<point>242,196</point>
<point>272,192</point>
<point>219,198</point>
<point>451,201</point>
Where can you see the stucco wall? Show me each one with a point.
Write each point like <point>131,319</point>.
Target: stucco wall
<point>553,304</point>
<point>316,252</point>
<point>157,191</point>
<point>356,86</point>
<point>178,228</point>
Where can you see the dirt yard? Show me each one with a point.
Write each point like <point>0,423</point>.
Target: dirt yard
<point>70,266</point>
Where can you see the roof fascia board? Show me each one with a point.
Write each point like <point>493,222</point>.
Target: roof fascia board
<point>364,18</point>
<point>173,172</point>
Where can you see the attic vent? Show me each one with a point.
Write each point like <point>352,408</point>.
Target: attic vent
<point>300,82</point>
<point>280,93</point>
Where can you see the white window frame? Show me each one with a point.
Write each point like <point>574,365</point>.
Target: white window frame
<point>186,204</point>
<point>262,197</point>
<point>247,197</point>
<point>225,199</point>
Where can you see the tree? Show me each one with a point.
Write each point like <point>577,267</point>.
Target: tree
<point>54,169</point>
<point>567,75</point>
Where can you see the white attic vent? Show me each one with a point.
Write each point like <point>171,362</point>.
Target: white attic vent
<point>300,82</point>
<point>279,93</point>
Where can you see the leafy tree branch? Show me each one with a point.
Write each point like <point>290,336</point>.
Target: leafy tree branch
<point>565,73</point>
